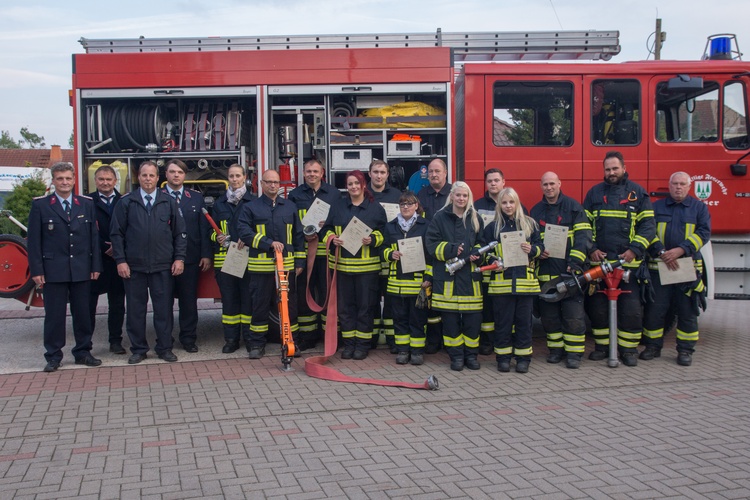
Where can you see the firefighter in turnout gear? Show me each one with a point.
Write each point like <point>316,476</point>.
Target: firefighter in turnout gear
<point>563,321</point>
<point>357,273</point>
<point>312,324</point>
<point>454,233</point>
<point>513,289</point>
<point>683,226</point>
<point>236,304</point>
<point>622,221</point>
<point>408,321</point>
<point>266,224</point>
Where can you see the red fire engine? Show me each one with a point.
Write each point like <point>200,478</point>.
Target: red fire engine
<point>475,100</point>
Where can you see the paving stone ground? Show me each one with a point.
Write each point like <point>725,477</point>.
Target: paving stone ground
<point>217,426</point>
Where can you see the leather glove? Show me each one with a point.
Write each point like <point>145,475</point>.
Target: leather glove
<point>644,281</point>
<point>424,298</point>
<point>697,292</point>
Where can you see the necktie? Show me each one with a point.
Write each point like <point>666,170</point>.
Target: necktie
<point>148,203</point>
<point>108,199</point>
<point>176,195</point>
<point>66,207</point>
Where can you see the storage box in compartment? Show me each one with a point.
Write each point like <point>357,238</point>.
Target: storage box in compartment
<point>403,148</point>
<point>350,159</point>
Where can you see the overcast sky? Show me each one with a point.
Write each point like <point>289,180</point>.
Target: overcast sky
<point>38,37</point>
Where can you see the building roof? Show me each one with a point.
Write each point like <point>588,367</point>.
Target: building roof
<point>38,158</point>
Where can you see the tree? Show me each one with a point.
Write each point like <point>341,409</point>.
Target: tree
<point>31,140</point>
<point>18,202</point>
<point>522,133</point>
<point>7,142</point>
<point>71,143</point>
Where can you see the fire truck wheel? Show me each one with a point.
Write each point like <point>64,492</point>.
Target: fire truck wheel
<point>15,278</point>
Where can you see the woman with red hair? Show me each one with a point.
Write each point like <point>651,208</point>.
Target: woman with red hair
<point>357,282</point>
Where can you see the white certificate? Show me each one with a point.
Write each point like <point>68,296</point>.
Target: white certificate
<point>353,234</point>
<point>487,216</point>
<point>391,210</point>
<point>685,273</point>
<point>317,212</point>
<point>513,255</point>
<point>412,255</point>
<point>556,240</point>
<point>235,263</point>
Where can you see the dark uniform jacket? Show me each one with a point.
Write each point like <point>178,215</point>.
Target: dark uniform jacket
<point>569,213</point>
<point>226,215</point>
<point>686,224</point>
<point>517,280</point>
<point>460,291</point>
<point>367,258</point>
<point>303,196</point>
<point>400,283</point>
<point>432,200</point>
<point>262,222</point>
<point>149,243</point>
<point>60,249</point>
<point>387,195</point>
<point>109,278</point>
<point>621,218</point>
<point>196,224</point>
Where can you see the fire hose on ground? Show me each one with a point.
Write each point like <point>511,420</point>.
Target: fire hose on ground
<point>315,366</point>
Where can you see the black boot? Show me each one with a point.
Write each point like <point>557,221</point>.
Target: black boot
<point>457,358</point>
<point>348,351</point>
<point>573,361</point>
<point>470,361</point>
<point>503,364</point>
<point>361,348</point>
<point>555,356</point>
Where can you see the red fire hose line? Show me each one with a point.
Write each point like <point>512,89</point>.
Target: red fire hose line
<point>315,365</point>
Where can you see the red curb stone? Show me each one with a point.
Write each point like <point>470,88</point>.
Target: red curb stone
<point>343,427</point>
<point>502,412</point>
<point>681,396</point>
<point>152,444</point>
<point>93,449</point>
<point>402,421</point>
<point>638,400</point>
<point>224,437</point>
<point>20,456</point>
<point>451,417</point>
<point>285,432</point>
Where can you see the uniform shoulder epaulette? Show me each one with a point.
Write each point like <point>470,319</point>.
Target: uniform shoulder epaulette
<point>41,197</point>
<point>85,196</point>
<point>126,195</point>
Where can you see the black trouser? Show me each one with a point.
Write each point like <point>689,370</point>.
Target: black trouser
<point>564,324</point>
<point>461,332</point>
<point>236,306</point>
<point>629,318</point>
<point>512,325</point>
<point>264,295</point>
<point>310,323</point>
<point>356,296</point>
<point>56,297</point>
<point>138,287</point>
<point>655,312</point>
<point>408,323</point>
<point>186,291</point>
<point>109,282</point>
<point>487,331</point>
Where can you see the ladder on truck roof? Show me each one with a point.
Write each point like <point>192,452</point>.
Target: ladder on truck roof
<point>470,46</point>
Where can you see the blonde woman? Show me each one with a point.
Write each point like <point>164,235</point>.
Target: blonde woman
<point>454,232</point>
<point>512,290</point>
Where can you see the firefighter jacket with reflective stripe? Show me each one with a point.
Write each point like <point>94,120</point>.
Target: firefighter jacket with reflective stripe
<point>621,219</point>
<point>460,292</point>
<point>226,215</point>
<point>303,196</point>
<point>432,200</point>
<point>264,221</point>
<point>400,283</point>
<point>569,213</point>
<point>387,195</point>
<point>686,224</point>
<point>367,258</point>
<point>517,280</point>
